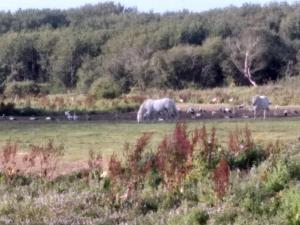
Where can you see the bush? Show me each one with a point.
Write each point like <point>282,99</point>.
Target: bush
<point>7,109</point>
<point>22,88</point>
<point>227,217</point>
<point>195,217</point>
<point>149,203</point>
<point>278,177</point>
<point>171,200</point>
<point>105,87</point>
<point>247,159</point>
<point>291,206</point>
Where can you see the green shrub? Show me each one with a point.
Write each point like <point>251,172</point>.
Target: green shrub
<point>291,206</point>
<point>277,178</point>
<point>7,109</point>
<point>148,203</point>
<point>197,217</point>
<point>171,200</point>
<point>247,159</point>
<point>105,87</point>
<point>227,217</point>
<point>294,170</point>
<point>253,200</point>
<point>21,88</point>
<point>194,217</point>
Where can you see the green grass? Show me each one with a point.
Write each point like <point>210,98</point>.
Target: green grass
<point>80,137</point>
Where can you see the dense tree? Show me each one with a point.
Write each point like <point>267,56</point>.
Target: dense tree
<point>72,49</point>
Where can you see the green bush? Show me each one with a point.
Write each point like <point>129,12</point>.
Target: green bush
<point>22,88</point>
<point>197,217</point>
<point>105,87</point>
<point>171,200</point>
<point>291,206</point>
<point>194,217</point>
<point>247,159</point>
<point>227,217</point>
<point>7,109</point>
<point>148,203</point>
<point>278,177</point>
<point>294,170</point>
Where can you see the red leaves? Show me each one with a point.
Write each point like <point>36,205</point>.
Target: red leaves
<point>240,140</point>
<point>221,176</point>
<point>174,156</point>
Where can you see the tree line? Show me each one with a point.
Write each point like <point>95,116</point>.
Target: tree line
<point>111,46</point>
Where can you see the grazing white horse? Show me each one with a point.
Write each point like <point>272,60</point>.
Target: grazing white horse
<point>260,103</point>
<point>156,108</point>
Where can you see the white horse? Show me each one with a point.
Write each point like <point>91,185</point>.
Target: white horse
<point>156,108</point>
<point>260,103</point>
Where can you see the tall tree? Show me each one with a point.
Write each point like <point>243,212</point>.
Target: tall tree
<point>245,51</point>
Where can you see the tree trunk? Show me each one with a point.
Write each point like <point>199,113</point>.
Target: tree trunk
<point>247,72</point>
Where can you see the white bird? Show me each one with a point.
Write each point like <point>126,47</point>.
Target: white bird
<point>68,115</point>
<point>190,110</point>
<point>75,117</point>
<point>198,115</point>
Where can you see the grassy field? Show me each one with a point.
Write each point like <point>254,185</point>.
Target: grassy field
<point>80,137</point>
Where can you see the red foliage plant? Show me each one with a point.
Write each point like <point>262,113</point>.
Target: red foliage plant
<point>174,156</point>
<point>45,158</point>
<point>95,161</point>
<point>116,171</point>
<point>240,140</point>
<point>134,168</point>
<point>8,160</point>
<point>221,177</point>
<point>134,157</point>
<point>208,145</point>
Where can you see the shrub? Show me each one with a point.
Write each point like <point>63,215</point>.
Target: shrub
<point>8,156</point>
<point>95,163</point>
<point>221,176</point>
<point>291,206</point>
<point>21,88</point>
<point>148,203</point>
<point>171,200</point>
<point>105,87</point>
<point>174,156</point>
<point>194,217</point>
<point>247,159</point>
<point>243,152</point>
<point>227,217</point>
<point>7,109</point>
<point>278,177</point>
<point>44,158</point>
<point>294,170</point>
<point>197,217</point>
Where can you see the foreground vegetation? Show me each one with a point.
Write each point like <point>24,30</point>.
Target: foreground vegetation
<point>187,179</point>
